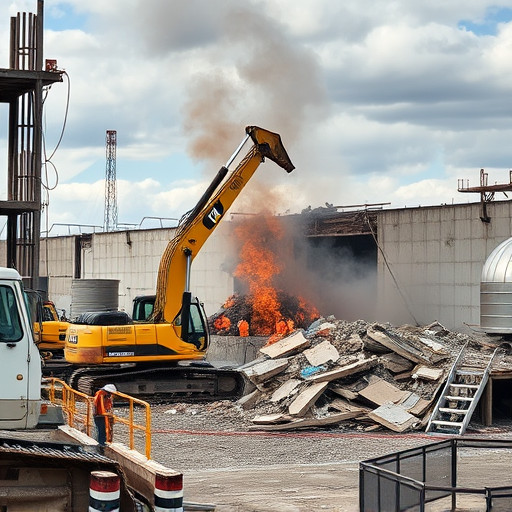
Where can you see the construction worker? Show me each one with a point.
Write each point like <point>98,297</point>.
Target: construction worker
<point>103,418</point>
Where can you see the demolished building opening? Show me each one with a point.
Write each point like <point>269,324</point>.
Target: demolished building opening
<point>501,399</point>
<point>345,273</point>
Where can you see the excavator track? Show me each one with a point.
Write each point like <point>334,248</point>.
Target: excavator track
<point>185,383</point>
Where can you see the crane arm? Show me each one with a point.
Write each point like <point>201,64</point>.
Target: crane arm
<point>199,224</point>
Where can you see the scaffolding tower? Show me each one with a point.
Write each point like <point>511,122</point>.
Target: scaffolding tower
<point>110,221</point>
<point>21,88</point>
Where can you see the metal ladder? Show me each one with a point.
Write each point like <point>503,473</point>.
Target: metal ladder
<point>461,393</point>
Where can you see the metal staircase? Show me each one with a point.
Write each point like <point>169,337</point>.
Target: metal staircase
<point>464,387</point>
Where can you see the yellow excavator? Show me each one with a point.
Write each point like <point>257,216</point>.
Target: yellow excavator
<point>161,349</point>
<point>49,330</point>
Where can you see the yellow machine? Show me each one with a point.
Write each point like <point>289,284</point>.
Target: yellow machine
<point>49,330</point>
<point>53,335</point>
<point>140,355</point>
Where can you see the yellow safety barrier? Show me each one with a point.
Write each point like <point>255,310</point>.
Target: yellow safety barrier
<point>79,409</point>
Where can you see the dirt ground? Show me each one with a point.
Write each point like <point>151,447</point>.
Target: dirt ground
<point>239,470</point>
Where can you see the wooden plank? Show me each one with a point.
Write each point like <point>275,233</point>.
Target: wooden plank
<point>333,419</point>
<point>394,417</point>
<point>295,342</point>
<point>345,371</point>
<point>372,428</point>
<point>421,407</point>
<point>396,363</point>
<point>285,390</point>
<point>403,376</point>
<point>321,353</point>
<point>265,370</point>
<point>381,392</point>
<point>306,399</point>
<point>343,392</point>
<point>398,345</point>
<point>344,406</point>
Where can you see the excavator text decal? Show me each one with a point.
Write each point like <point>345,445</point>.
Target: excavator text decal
<point>214,215</point>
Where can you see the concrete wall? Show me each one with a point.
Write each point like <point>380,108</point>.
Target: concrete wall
<point>429,263</point>
<point>133,257</point>
<point>435,257</point>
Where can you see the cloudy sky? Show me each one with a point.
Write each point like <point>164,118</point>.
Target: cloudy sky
<point>381,101</point>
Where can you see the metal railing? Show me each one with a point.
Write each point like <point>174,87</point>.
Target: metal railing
<point>78,409</point>
<point>411,479</point>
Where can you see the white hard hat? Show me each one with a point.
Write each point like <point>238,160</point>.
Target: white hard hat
<point>110,388</point>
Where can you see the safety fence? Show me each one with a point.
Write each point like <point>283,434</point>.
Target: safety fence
<point>132,417</point>
<point>449,472</point>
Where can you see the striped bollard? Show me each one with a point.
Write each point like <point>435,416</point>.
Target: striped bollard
<point>168,493</point>
<point>104,492</point>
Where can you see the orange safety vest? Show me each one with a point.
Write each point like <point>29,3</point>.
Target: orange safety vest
<point>102,403</point>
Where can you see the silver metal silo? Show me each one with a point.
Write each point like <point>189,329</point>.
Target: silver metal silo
<point>496,291</point>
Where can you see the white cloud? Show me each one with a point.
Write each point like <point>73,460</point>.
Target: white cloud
<point>375,101</point>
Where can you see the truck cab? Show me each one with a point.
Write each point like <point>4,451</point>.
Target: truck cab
<point>20,362</point>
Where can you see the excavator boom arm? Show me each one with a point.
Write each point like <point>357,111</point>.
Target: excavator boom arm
<point>204,218</point>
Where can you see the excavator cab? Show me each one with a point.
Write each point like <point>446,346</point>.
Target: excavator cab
<point>193,322</point>
<point>197,331</point>
<point>143,307</point>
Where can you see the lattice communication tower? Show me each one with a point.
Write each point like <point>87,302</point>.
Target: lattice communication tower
<point>110,221</point>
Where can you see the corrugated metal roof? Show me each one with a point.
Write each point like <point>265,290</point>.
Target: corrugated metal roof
<point>50,450</point>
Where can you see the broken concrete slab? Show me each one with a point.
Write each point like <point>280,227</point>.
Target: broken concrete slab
<point>265,370</point>
<point>355,341</point>
<point>427,373</point>
<point>438,351</point>
<point>285,390</point>
<point>381,392</point>
<point>345,371</point>
<point>306,399</point>
<point>247,401</point>
<point>321,353</point>
<point>295,342</point>
<point>393,417</point>
<point>296,424</point>
<point>324,329</point>
<point>270,419</point>
<point>414,404</point>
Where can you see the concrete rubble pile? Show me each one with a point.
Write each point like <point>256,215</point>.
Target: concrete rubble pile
<point>364,376</point>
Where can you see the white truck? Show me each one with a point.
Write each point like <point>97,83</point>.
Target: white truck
<point>20,375</point>
<point>52,470</point>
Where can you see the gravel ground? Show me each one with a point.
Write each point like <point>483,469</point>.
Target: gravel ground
<point>236,469</point>
<point>183,433</point>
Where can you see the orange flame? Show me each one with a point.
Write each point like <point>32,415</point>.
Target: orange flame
<point>243,328</point>
<point>258,266</point>
<point>260,262</point>
<point>222,322</point>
